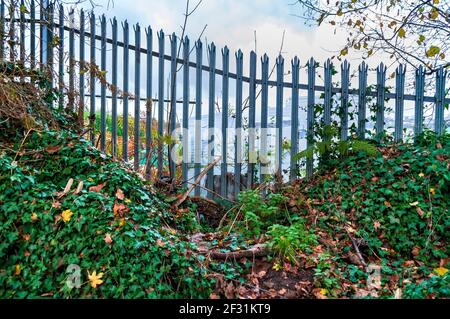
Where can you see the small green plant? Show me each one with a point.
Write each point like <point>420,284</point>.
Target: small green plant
<point>323,275</point>
<point>259,212</point>
<point>287,241</point>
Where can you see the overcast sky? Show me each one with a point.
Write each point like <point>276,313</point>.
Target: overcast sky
<point>233,23</point>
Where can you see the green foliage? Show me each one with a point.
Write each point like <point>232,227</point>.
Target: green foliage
<point>259,212</point>
<point>288,241</point>
<point>433,287</point>
<point>146,258</point>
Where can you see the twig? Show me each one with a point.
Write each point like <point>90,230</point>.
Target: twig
<point>259,250</point>
<point>197,181</point>
<point>355,245</point>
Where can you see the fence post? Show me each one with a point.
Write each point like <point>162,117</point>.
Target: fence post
<point>362,100</point>
<point>149,101</point>
<point>264,117</point>
<point>173,99</point>
<point>310,115</point>
<point>126,58</point>
<point>43,38</point>
<point>61,57</point>
<point>11,32</point>
<point>198,112</point>
<point>418,109</point>
<point>71,60</point>
<point>294,118</point>
<point>399,102</point>
<point>186,159</point>
<point>114,88</point>
<point>252,122</point>
<point>160,101</point>
<point>440,95</point>
<point>22,33</point>
<point>32,35</point>
<point>102,85</point>
<point>211,115</point>
<point>2,30</point>
<point>92,77</point>
<point>238,133</point>
<point>381,79</point>
<point>225,92</point>
<point>328,74</point>
<point>345,68</point>
<point>279,116</point>
<point>82,70</point>
<point>137,94</point>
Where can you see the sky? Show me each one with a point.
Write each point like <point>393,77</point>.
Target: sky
<point>233,23</point>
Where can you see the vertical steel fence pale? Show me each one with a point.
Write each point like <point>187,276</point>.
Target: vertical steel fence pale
<point>185,116</point>
<point>161,39</point>
<point>279,116</point>
<point>345,79</point>
<point>310,114</point>
<point>225,94</point>
<point>295,63</point>
<point>381,81</point>
<point>82,69</point>
<point>439,104</point>
<point>2,30</point>
<point>238,133</point>
<point>418,106</point>
<point>251,121</point>
<point>362,100</point>
<point>211,115</point>
<point>103,86</point>
<point>173,97</point>
<point>198,112</point>
<point>327,100</point>
<point>126,58</point>
<point>399,102</point>
<point>149,102</point>
<point>92,78</point>
<point>114,61</point>
<point>263,150</point>
<point>137,95</point>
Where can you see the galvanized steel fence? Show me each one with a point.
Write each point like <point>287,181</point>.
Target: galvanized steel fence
<point>48,44</point>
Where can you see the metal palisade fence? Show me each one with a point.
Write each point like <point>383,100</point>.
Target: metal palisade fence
<point>89,57</point>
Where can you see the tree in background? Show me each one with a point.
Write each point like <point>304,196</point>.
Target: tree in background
<point>415,32</point>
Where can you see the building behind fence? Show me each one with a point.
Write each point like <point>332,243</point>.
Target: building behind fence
<point>88,55</point>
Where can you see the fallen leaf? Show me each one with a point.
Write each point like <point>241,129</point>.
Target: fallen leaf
<point>441,271</point>
<point>108,239</point>
<point>119,194</point>
<point>376,224</point>
<point>56,204</point>
<point>387,204</point>
<point>432,191</point>
<point>414,203</point>
<point>319,293</point>
<point>79,188</point>
<point>66,215</point>
<point>415,251</point>
<point>282,291</point>
<point>52,149</point>
<point>26,237</point>
<point>421,174</point>
<point>420,211</point>
<point>120,209</point>
<point>17,270</point>
<point>34,217</point>
<point>97,188</point>
<point>95,279</point>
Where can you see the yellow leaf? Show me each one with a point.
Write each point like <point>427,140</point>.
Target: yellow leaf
<point>122,222</point>
<point>66,215</point>
<point>435,1</point>
<point>323,291</point>
<point>434,14</point>
<point>441,271</point>
<point>401,33</point>
<point>414,203</point>
<point>95,279</point>
<point>277,266</point>
<point>421,174</point>
<point>34,217</point>
<point>127,200</point>
<point>344,51</point>
<point>432,191</point>
<point>17,270</point>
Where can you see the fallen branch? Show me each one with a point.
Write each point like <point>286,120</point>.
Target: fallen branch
<point>358,253</point>
<point>197,181</point>
<point>258,250</point>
